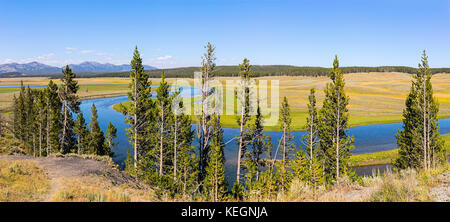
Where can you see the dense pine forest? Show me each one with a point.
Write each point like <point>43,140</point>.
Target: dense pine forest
<point>271,70</point>
<point>161,137</point>
<point>259,70</point>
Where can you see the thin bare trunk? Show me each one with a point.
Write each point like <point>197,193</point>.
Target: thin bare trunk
<point>175,151</point>
<point>337,133</point>
<point>34,145</point>
<point>48,135</point>
<point>238,174</point>
<point>40,137</point>
<point>311,143</point>
<point>216,187</point>
<point>161,141</point>
<point>64,128</point>
<point>424,128</point>
<point>135,123</point>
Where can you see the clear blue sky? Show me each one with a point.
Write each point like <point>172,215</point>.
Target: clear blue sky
<point>173,33</point>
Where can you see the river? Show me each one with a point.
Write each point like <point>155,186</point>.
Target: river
<point>368,138</point>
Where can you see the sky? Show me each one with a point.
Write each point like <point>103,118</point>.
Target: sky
<point>171,33</point>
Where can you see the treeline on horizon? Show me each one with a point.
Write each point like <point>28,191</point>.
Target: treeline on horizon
<point>269,70</point>
<point>233,71</point>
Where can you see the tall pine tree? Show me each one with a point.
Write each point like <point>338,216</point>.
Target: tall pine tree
<point>71,104</point>
<point>334,142</point>
<point>97,138</point>
<point>54,117</point>
<point>286,144</point>
<point>244,107</point>
<point>214,184</point>
<point>419,142</point>
<point>204,127</point>
<point>139,114</point>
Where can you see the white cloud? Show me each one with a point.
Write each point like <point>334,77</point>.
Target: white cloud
<point>163,58</point>
<point>87,51</point>
<point>70,48</point>
<point>8,60</point>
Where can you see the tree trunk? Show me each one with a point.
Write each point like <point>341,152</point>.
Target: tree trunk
<point>216,187</point>
<point>79,143</point>
<point>161,141</point>
<point>311,142</point>
<point>175,151</point>
<point>34,145</point>
<point>135,123</point>
<point>284,144</point>
<point>48,135</point>
<point>64,128</point>
<point>337,134</point>
<point>40,137</point>
<point>238,174</point>
<point>424,128</point>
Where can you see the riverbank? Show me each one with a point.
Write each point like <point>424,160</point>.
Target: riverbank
<point>386,157</point>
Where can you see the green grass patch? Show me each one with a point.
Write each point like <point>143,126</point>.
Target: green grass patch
<point>386,157</point>
<point>382,157</point>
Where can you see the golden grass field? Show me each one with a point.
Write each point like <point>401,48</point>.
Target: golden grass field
<point>374,97</point>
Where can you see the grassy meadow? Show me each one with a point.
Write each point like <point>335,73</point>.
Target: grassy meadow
<point>374,97</point>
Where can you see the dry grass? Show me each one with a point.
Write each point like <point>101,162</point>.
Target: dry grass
<point>22,181</point>
<point>10,145</point>
<point>98,189</point>
<point>404,186</point>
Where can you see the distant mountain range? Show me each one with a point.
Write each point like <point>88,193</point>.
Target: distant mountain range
<point>36,68</point>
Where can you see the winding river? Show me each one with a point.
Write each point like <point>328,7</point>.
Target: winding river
<point>368,138</point>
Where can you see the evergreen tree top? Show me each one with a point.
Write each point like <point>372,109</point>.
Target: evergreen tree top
<point>245,69</point>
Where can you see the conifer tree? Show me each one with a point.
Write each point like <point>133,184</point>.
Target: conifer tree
<point>71,104</point>
<point>21,114</point>
<point>139,114</point>
<point>204,127</point>
<point>244,103</point>
<point>182,136</point>
<point>97,138</point>
<point>301,166</point>
<point>286,144</point>
<point>310,139</point>
<point>335,144</point>
<point>111,134</point>
<point>82,133</point>
<point>215,186</point>
<point>31,120</point>
<point>259,145</point>
<point>419,142</point>
<point>42,118</point>
<point>54,117</point>
<point>163,101</point>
